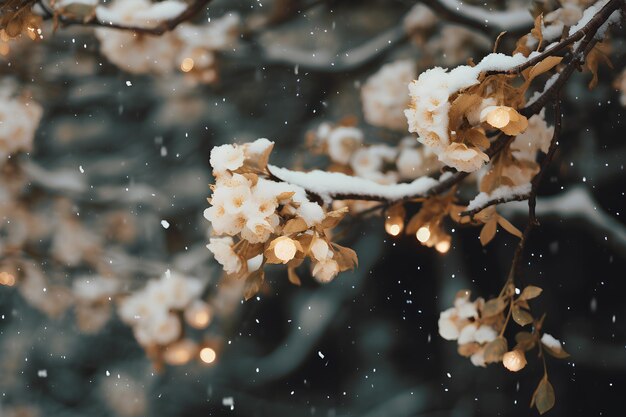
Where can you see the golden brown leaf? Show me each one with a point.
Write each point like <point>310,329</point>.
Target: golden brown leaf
<point>495,350</point>
<point>346,258</point>
<point>506,225</point>
<point>333,218</point>
<point>488,232</point>
<point>544,66</point>
<point>493,307</point>
<point>293,276</point>
<point>525,340</point>
<point>530,292</point>
<point>543,397</point>
<point>296,225</point>
<point>521,316</point>
<point>557,353</point>
<point>599,54</point>
<point>253,284</point>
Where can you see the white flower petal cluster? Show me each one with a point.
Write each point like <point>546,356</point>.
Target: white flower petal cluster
<point>241,207</point>
<point>463,158</point>
<point>222,249</point>
<point>415,161</point>
<point>428,114</point>
<point>344,145</point>
<point>461,323</point>
<point>340,142</point>
<point>536,137</point>
<point>189,47</point>
<point>200,43</point>
<point>326,268</point>
<point>18,122</point>
<point>384,95</point>
<point>151,311</point>
<point>419,19</point>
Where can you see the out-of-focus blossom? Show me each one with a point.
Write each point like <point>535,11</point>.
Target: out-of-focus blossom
<point>385,97</point>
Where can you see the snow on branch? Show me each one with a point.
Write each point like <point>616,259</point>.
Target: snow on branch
<point>481,18</point>
<point>337,186</point>
<point>578,203</point>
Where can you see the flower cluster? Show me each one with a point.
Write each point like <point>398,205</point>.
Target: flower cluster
<point>465,323</point>
<point>18,121</point>
<point>259,220</point>
<point>453,111</point>
<point>550,25</point>
<point>382,163</point>
<point>478,327</point>
<point>384,95</point>
<point>155,311</point>
<point>190,48</point>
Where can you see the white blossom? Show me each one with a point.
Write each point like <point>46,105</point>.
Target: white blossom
<point>384,95</point>
<point>222,249</point>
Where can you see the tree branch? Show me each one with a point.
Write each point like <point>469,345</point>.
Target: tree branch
<point>163,27</point>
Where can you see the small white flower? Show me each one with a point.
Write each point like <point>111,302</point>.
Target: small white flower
<point>224,254</point>
<point>459,156</point>
<point>447,324</point>
<point>536,137</point>
<point>227,157</point>
<point>384,95</point>
<point>364,162</point>
<point>410,163</point>
<point>165,329</point>
<point>465,308</point>
<point>478,358</point>
<point>255,263</point>
<point>342,142</point>
<point>485,334</point>
<point>319,249</point>
<point>467,334</point>
<point>325,271</point>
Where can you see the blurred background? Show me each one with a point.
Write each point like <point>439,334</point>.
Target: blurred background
<point>119,176</point>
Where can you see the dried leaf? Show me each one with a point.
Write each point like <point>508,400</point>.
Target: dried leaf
<point>285,196</point>
<point>559,354</point>
<point>296,225</point>
<point>597,55</point>
<point>333,218</point>
<point>544,66</point>
<point>495,349</point>
<point>477,138</point>
<point>488,232</point>
<point>461,106</point>
<point>493,307</point>
<point>253,284</point>
<point>543,397</point>
<point>468,349</point>
<point>521,316</point>
<point>506,225</point>
<point>525,340</point>
<point>346,258</point>
<point>536,31</point>
<point>530,292</point>
<point>293,276</point>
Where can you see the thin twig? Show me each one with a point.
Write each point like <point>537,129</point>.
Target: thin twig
<point>163,27</point>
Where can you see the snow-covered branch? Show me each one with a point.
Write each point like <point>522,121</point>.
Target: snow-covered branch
<point>490,21</point>
<point>578,203</point>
